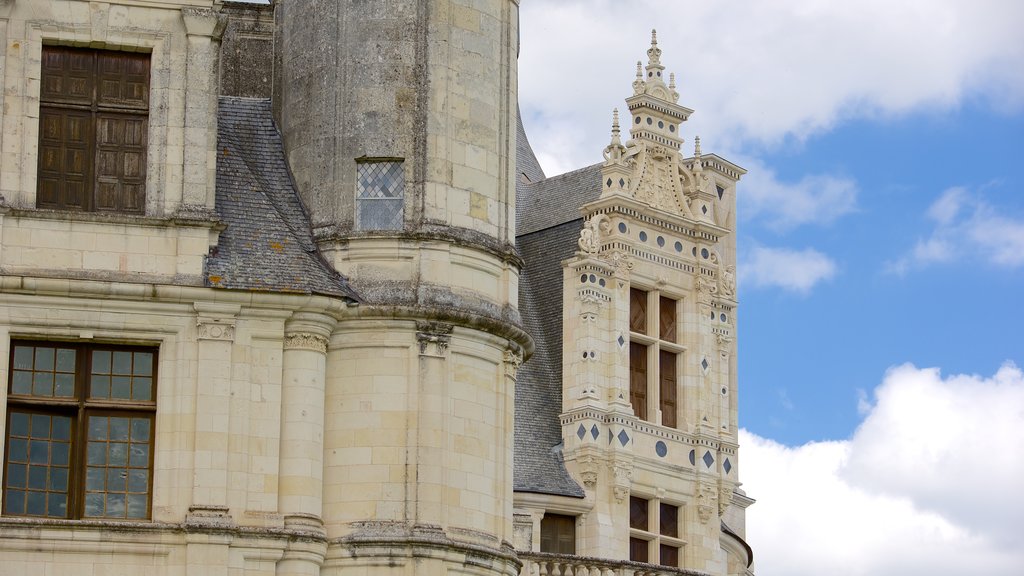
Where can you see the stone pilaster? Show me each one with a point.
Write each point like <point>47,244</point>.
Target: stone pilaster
<point>204,27</point>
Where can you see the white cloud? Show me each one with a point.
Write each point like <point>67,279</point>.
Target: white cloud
<point>966,227</point>
<point>793,270</point>
<point>761,73</point>
<point>814,199</point>
<point>929,484</point>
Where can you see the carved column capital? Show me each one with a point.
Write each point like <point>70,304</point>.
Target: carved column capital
<point>433,338</point>
<point>305,341</point>
<point>623,480</point>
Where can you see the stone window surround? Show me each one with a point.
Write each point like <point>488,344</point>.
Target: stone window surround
<point>654,347</point>
<point>654,538</point>
<point>167,174</point>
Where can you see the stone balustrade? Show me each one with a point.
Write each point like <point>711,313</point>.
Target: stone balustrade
<point>544,564</point>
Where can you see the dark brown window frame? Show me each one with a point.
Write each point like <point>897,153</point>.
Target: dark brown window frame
<point>79,408</point>
<point>654,370</point>
<point>664,537</point>
<point>100,170</point>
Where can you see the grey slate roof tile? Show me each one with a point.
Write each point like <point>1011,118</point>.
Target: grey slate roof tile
<point>548,223</point>
<point>556,200</point>
<point>268,244</point>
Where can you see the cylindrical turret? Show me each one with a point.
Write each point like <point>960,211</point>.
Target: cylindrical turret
<point>398,118</point>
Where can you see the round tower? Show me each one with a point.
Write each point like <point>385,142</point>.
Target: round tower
<point>399,122</point>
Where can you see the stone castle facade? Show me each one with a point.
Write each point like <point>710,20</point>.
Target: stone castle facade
<point>284,291</point>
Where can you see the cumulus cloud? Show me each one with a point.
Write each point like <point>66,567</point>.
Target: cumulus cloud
<point>966,226</point>
<point>814,199</point>
<point>761,73</point>
<point>928,484</point>
<point>793,270</point>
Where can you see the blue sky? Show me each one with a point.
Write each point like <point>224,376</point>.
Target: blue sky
<point>881,254</point>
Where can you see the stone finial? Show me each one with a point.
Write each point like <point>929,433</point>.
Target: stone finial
<point>614,151</point>
<point>638,84</point>
<point>654,53</point>
<point>672,80</point>
<point>696,146</point>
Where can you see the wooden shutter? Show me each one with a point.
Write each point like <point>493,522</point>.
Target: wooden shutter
<point>637,311</point>
<point>669,516</point>
<point>667,388</point>
<point>638,379</point>
<point>669,556</point>
<point>667,319</point>
<point>65,159</point>
<point>93,127</point>
<point>558,534</point>
<point>638,550</point>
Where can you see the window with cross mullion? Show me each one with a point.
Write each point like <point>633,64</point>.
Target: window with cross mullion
<point>654,356</point>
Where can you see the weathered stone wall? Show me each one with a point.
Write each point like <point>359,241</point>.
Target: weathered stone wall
<point>247,50</point>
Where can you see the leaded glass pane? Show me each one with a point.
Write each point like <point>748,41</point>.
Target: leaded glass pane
<point>380,195</point>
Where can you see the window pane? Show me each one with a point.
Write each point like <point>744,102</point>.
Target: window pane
<point>18,450</point>
<point>142,388</point>
<point>669,520</point>
<point>667,390</point>
<point>140,429</point>
<point>21,382</point>
<point>94,504</point>
<point>667,319</point>
<point>42,384</point>
<point>57,506</point>
<point>99,387</point>
<point>638,379</point>
<point>19,424</point>
<point>669,556</point>
<point>97,428</point>
<point>44,358</point>
<point>637,550</point>
<point>23,357</point>
<point>637,311</point>
<point>638,513</point>
<point>137,505</point>
<point>14,501</point>
<point>97,454</point>
<point>58,479</point>
<point>121,387</point>
<point>66,360</point>
<point>17,475</point>
<point>380,193</point>
<point>143,364</point>
<point>122,363</point>
<point>140,456</point>
<point>101,362</point>
<point>64,385</point>
<point>119,428</point>
<point>138,481</point>
<point>94,479</point>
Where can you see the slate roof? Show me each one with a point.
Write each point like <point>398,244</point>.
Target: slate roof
<point>548,223</point>
<point>268,244</point>
<point>556,200</point>
<point>538,433</point>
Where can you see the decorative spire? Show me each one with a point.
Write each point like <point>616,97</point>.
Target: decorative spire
<point>672,80</point>
<point>696,146</point>
<point>654,53</point>
<point>613,152</point>
<point>638,84</point>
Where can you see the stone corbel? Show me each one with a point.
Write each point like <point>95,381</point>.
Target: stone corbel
<point>203,21</point>
<point>589,471</point>
<point>707,502</point>
<point>512,360</point>
<point>433,338</point>
<point>724,497</point>
<point>623,480</point>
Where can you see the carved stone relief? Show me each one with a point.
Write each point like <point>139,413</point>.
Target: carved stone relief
<point>305,341</point>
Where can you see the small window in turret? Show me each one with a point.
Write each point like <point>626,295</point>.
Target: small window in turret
<point>380,194</point>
